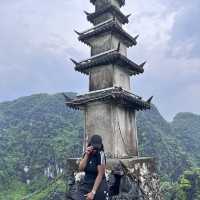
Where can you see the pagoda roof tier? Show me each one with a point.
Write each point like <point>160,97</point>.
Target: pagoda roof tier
<point>121,2</point>
<point>108,9</point>
<point>109,57</point>
<point>115,95</point>
<point>109,26</point>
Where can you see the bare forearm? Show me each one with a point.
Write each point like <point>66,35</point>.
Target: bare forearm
<point>97,182</point>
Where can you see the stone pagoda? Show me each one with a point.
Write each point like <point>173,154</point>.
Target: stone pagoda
<point>109,106</point>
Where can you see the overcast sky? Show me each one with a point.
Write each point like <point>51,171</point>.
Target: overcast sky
<point>37,40</point>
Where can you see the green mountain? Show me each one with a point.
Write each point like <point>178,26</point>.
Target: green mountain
<point>157,139</point>
<point>38,133</point>
<point>186,130</point>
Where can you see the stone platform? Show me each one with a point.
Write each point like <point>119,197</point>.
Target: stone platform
<point>131,178</point>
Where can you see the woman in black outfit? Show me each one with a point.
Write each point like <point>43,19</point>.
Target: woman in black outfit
<point>94,186</point>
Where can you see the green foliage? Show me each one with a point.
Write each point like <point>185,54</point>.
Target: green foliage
<point>187,188</point>
<point>190,183</point>
<point>37,132</point>
<point>55,190</point>
<point>15,191</point>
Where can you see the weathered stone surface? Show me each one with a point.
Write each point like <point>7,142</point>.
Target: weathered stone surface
<point>101,3</point>
<point>107,42</point>
<point>107,12</point>
<point>116,125</point>
<point>111,28</point>
<point>101,77</point>
<point>108,76</point>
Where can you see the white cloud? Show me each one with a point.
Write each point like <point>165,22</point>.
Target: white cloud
<point>37,39</point>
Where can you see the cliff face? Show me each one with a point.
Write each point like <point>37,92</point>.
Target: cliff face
<point>186,130</point>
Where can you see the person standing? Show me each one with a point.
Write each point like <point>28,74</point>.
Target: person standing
<point>93,163</point>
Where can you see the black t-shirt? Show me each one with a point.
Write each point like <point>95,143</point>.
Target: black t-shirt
<point>91,167</point>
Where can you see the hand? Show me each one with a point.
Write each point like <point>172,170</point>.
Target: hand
<point>90,196</point>
<point>89,150</point>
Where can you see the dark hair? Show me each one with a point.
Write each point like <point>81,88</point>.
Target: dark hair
<point>96,142</point>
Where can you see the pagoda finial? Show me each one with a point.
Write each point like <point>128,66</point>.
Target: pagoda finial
<point>121,2</point>
<point>136,37</point>
<point>76,63</point>
<point>66,97</point>
<point>78,33</point>
<point>143,64</point>
<point>87,13</point>
<point>118,47</point>
<point>150,99</point>
<point>127,16</point>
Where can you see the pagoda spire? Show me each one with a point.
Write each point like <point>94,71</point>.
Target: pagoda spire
<point>106,12</point>
<point>107,31</point>
<point>99,3</point>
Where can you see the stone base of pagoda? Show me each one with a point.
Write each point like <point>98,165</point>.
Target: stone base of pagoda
<point>132,178</point>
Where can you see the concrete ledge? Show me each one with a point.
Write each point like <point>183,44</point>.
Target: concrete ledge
<point>135,163</point>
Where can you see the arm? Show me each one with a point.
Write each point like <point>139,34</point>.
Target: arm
<point>101,172</point>
<point>84,161</point>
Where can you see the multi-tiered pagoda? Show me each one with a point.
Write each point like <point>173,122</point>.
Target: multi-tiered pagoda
<point>109,106</point>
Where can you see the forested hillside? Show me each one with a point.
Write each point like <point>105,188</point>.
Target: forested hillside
<point>156,139</point>
<point>38,133</point>
<point>186,130</point>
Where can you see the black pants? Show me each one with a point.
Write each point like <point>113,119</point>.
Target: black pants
<point>101,194</point>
